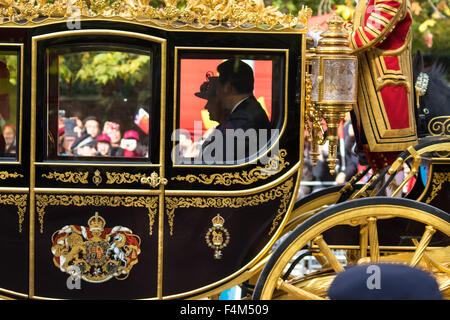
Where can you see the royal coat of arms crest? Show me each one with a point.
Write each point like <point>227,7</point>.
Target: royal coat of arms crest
<point>98,253</point>
<point>217,236</point>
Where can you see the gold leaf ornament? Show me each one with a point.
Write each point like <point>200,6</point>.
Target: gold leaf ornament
<point>275,164</point>
<point>228,14</point>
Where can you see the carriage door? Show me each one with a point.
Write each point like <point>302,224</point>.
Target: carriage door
<point>13,172</point>
<point>97,104</point>
<point>223,208</point>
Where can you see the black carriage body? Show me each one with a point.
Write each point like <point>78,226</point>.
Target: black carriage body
<point>43,192</point>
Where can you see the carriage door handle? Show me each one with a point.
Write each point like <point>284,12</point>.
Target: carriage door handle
<point>154,180</point>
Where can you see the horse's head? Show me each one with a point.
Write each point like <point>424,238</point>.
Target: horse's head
<point>432,91</point>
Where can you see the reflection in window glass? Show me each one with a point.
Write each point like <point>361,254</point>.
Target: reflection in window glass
<point>8,103</point>
<point>103,100</point>
<point>229,107</point>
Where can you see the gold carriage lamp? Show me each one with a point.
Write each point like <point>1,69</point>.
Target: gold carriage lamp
<point>334,76</point>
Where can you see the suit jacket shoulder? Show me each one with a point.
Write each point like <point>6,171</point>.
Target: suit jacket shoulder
<point>248,115</point>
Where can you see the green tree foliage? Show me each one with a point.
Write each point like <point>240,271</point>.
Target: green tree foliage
<point>431,26</point>
<point>103,82</point>
<point>10,59</point>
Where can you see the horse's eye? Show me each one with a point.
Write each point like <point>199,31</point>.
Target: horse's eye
<point>426,111</point>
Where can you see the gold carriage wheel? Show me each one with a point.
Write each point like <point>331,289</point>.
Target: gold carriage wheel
<point>362,212</point>
<point>315,202</point>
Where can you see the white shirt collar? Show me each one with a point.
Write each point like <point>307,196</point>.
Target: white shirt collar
<point>236,105</point>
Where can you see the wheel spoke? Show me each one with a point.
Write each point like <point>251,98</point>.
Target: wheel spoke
<point>334,262</point>
<point>424,242</point>
<point>296,292</point>
<point>373,240</point>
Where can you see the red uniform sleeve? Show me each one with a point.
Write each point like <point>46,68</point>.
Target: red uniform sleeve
<point>381,19</point>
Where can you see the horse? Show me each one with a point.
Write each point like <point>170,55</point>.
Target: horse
<point>431,97</point>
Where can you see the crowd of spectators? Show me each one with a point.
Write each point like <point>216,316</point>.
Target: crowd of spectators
<point>86,138</point>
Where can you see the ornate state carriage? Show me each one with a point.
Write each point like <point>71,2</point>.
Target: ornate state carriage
<point>145,224</point>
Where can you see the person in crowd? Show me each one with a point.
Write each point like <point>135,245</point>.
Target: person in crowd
<point>86,148</point>
<point>92,126</point>
<point>90,131</point>
<point>103,145</point>
<point>61,136</point>
<point>9,133</point>
<point>350,158</point>
<point>130,143</point>
<point>112,129</point>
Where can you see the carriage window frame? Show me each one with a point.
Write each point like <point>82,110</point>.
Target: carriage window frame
<point>18,49</point>
<point>278,118</point>
<point>51,144</point>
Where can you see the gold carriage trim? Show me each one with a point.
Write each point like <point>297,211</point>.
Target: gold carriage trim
<point>275,165</point>
<point>198,14</point>
<point>123,177</point>
<point>18,200</point>
<point>283,191</point>
<point>7,175</point>
<point>149,202</point>
<point>438,180</point>
<point>68,177</point>
<point>440,126</point>
<point>82,177</point>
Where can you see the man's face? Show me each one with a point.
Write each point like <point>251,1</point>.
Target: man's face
<point>9,135</point>
<point>115,136</point>
<point>67,143</point>
<point>224,93</point>
<point>87,151</point>
<point>103,148</point>
<point>214,105</point>
<point>92,128</point>
<point>129,144</point>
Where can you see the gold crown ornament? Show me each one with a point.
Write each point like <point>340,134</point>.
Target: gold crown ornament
<point>96,222</point>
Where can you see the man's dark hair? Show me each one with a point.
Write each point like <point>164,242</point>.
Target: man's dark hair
<point>90,118</point>
<point>238,73</point>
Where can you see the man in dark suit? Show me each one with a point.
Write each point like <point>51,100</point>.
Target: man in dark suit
<point>244,126</point>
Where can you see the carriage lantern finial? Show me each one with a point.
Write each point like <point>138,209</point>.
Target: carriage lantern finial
<point>334,76</point>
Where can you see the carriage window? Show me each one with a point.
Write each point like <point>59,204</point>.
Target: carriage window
<point>99,103</point>
<point>229,106</point>
<point>9,86</point>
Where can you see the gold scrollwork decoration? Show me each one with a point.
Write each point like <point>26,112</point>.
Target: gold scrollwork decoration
<point>6,175</point>
<point>283,191</point>
<point>123,177</point>
<point>275,165</point>
<point>45,200</point>
<point>154,180</point>
<point>281,210</point>
<point>440,126</point>
<point>18,200</point>
<point>439,179</point>
<point>198,14</point>
<point>68,177</point>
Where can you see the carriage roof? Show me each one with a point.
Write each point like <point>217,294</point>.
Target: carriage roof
<point>197,15</point>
